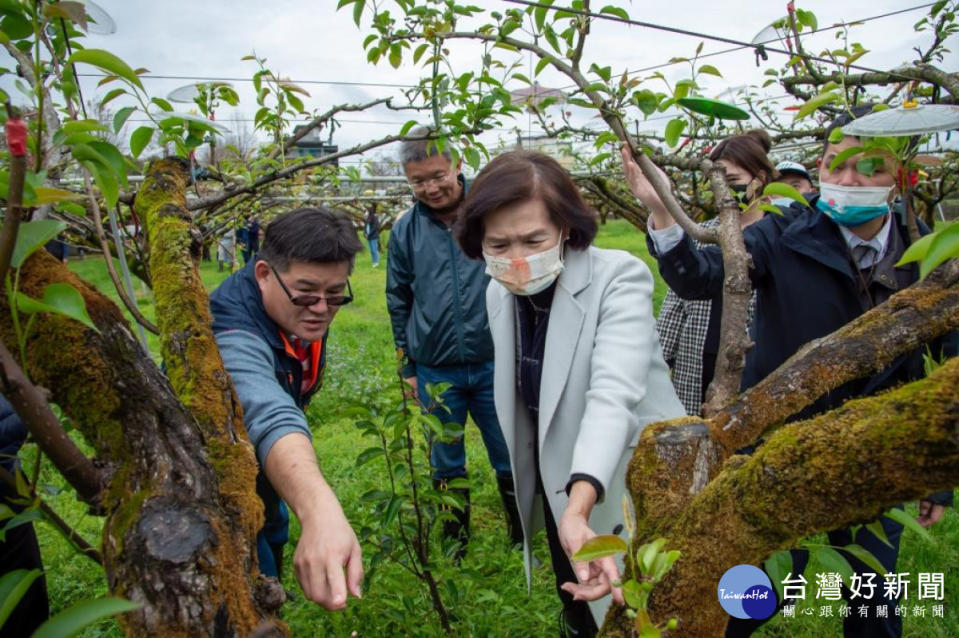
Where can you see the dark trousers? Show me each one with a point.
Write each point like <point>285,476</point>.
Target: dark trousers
<point>853,625</point>
<point>19,550</point>
<point>576,613</point>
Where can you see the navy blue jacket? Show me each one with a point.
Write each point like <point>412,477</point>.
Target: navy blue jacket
<point>435,294</point>
<point>12,434</point>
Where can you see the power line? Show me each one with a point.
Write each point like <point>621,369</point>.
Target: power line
<point>739,43</point>
<point>198,78</point>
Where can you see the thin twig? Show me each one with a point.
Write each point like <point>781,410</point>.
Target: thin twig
<point>129,304</point>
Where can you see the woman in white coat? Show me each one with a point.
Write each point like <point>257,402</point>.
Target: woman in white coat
<point>579,371</point>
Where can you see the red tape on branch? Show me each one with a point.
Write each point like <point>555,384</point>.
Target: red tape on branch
<point>17,136</point>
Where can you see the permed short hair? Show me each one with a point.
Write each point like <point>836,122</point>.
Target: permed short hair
<point>521,176</point>
<point>310,235</point>
<point>419,150</point>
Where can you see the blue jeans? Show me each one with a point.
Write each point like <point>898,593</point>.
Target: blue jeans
<point>276,528</point>
<point>471,391</point>
<point>374,250</point>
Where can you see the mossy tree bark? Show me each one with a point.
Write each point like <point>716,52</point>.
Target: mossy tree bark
<point>180,503</point>
<point>909,440</point>
<point>722,510</point>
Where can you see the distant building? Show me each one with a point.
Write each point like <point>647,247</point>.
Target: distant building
<point>310,145</point>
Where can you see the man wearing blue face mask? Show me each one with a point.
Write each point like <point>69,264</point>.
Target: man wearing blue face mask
<point>814,269</point>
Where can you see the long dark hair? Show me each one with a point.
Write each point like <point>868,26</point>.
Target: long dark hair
<point>748,151</point>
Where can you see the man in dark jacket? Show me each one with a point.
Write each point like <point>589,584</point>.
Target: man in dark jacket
<point>436,298</point>
<point>813,270</point>
<point>271,320</point>
<point>19,549</point>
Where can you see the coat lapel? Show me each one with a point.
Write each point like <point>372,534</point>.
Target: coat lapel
<point>502,325</point>
<point>562,337</point>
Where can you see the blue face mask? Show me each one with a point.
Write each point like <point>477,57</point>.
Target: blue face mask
<point>853,205</point>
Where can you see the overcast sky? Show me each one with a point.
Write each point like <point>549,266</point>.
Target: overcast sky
<point>309,41</point>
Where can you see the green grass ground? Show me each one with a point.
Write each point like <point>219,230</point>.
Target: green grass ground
<point>489,586</point>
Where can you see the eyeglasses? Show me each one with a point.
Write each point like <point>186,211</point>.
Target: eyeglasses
<point>420,184</point>
<point>310,300</point>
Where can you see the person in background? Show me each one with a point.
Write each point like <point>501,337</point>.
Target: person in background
<point>579,372</point>
<point>19,548</point>
<point>58,248</point>
<point>689,329</point>
<point>796,175</point>
<point>226,249</point>
<point>271,320</point>
<point>436,299</point>
<point>815,269</point>
<point>252,245</point>
<point>371,230</point>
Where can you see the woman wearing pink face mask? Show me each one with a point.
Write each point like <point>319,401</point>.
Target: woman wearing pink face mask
<point>579,371</point>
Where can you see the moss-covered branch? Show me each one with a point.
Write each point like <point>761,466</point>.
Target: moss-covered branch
<point>914,316</point>
<point>908,439</point>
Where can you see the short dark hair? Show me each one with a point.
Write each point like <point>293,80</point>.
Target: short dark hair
<point>310,235</point>
<point>854,113</point>
<point>419,150</point>
<point>521,176</point>
<point>749,151</point>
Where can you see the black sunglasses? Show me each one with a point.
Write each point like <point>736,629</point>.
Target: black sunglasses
<point>309,300</point>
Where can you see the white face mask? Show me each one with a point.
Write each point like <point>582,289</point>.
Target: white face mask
<point>853,205</point>
<point>527,275</point>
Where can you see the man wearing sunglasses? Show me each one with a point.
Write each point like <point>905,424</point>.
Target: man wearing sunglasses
<point>271,320</point>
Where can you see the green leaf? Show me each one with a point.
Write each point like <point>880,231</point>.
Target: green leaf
<point>140,139</point>
<point>650,631</point>
<point>600,547</point>
<point>673,130</point>
<point>844,155</point>
<point>70,621</point>
<point>420,50</point>
<point>107,62</point>
<point>917,250</point>
<point>807,18</point>
<point>877,530</point>
<point>647,555</point>
<point>945,245</point>
<point>358,11</point>
<point>709,69</point>
<point>647,101</point>
<point>109,97</point>
<point>62,299</point>
<point>770,208</point>
<point>163,104</point>
<point>13,585</point>
<point>865,556</point>
<point>16,26</point>
<point>121,117</point>
<point>392,509</point>
<point>368,455</point>
<point>634,595</point>
<point>50,195</point>
<point>105,181</point>
<point>835,135</point>
<point>114,158</point>
<point>833,561</point>
<point>33,235</point>
<point>810,106</point>
<point>778,566</point>
<point>781,189</point>
<point>542,64</point>
<point>615,11</point>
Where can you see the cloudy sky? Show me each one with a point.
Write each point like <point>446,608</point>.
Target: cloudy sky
<point>321,48</point>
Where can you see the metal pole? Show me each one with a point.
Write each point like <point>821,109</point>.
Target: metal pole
<point>126,273</point>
